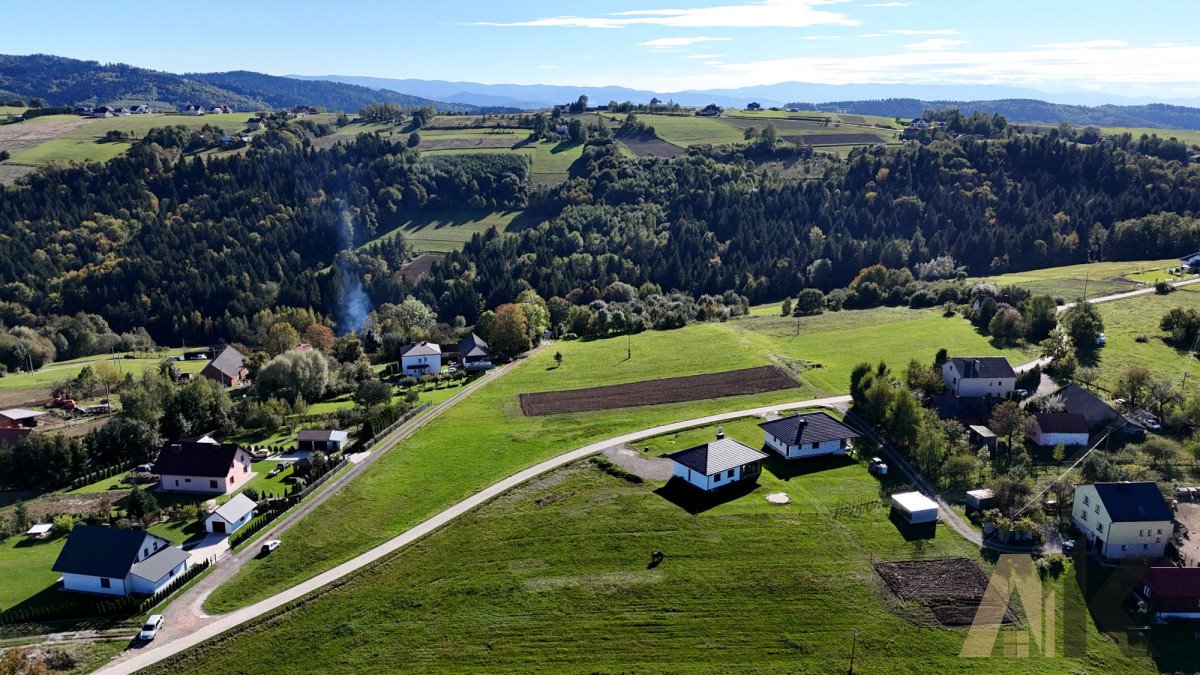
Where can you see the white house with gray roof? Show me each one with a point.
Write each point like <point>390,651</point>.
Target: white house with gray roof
<point>231,516</point>
<point>979,376</point>
<point>717,463</point>
<point>421,358</point>
<point>808,435</point>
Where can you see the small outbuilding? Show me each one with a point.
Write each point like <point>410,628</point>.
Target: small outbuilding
<point>981,436</point>
<point>980,500</point>
<point>231,516</point>
<point>718,463</point>
<point>19,418</point>
<point>474,353</point>
<point>40,531</point>
<point>914,508</point>
<point>228,368</point>
<point>321,440</point>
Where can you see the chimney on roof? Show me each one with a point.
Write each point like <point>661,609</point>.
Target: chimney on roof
<point>720,432</point>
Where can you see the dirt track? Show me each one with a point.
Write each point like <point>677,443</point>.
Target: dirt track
<point>655,392</point>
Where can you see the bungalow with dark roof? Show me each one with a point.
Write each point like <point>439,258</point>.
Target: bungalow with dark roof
<point>980,376</point>
<point>205,466</point>
<point>1123,520</point>
<point>110,561</point>
<point>421,358</point>
<point>717,463</point>
<point>808,435</point>
<point>1051,429</point>
<point>228,368</point>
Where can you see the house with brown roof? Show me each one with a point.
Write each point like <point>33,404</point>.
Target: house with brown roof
<point>202,466</point>
<point>228,368</point>
<point>1173,593</point>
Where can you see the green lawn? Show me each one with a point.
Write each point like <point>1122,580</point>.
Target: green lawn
<point>551,160</point>
<point>445,231</point>
<point>691,130</point>
<point>1124,320</point>
<point>1070,282</point>
<point>554,577</point>
<point>485,437</point>
<point>63,370</point>
<point>25,567</point>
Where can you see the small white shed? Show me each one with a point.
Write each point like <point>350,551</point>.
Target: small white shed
<point>978,500</point>
<point>915,508</point>
<point>231,516</point>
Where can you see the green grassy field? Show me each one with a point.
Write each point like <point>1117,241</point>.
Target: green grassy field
<point>25,566</point>
<point>1070,282</point>
<point>485,437</point>
<point>446,231</point>
<point>63,370</point>
<point>691,130</point>
<point>1126,319</point>
<point>554,577</point>
<point>550,160</point>
<point>1187,136</point>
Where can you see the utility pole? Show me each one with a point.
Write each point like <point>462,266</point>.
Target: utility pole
<point>1087,277</point>
<point>628,346</point>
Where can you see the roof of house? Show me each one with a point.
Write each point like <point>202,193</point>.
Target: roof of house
<point>322,435</point>
<point>982,493</point>
<point>196,459</point>
<point>97,551</point>
<point>421,349</point>
<point>1191,257</point>
<point>982,430</point>
<point>233,510</point>
<point>1080,401</point>
<point>40,529</point>
<point>228,362</point>
<point>1173,582</point>
<point>20,414</point>
<point>1133,502</point>
<point>808,428</point>
<point>473,345</point>
<point>983,366</point>
<point>159,564</point>
<point>914,502</point>
<point>1062,423</point>
<point>716,456</point>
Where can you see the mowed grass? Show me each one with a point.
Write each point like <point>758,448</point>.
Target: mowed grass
<point>550,160</point>
<point>1072,281</point>
<point>691,130</point>
<point>25,565</point>
<point>555,577</point>
<point>445,231</point>
<point>486,438</point>
<point>65,370</point>
<point>1125,320</point>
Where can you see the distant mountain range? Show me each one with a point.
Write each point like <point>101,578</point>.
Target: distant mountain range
<point>71,82</point>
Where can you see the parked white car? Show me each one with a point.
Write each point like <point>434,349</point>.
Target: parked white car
<point>153,625</point>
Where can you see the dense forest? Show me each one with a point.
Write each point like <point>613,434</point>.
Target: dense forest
<point>70,82</point>
<point>195,249</point>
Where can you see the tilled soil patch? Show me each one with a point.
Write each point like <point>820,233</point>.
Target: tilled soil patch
<point>644,145</point>
<point>837,139</point>
<point>656,392</point>
<point>951,587</point>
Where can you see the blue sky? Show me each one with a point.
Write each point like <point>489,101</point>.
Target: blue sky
<point>1053,45</point>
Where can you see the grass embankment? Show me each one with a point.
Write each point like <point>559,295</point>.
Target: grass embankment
<point>486,438</point>
<point>1125,320</point>
<point>1071,282</point>
<point>65,370</point>
<point>445,231</point>
<point>562,562</point>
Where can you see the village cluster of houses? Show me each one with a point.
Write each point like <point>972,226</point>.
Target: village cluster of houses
<point>426,358</point>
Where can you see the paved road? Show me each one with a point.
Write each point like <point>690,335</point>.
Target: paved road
<point>182,640</point>
<point>1129,294</point>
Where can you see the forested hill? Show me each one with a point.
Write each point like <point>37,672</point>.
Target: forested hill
<point>196,248</point>
<point>1029,111</point>
<point>70,82</point>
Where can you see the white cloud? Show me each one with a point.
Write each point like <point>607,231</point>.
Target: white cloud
<point>873,35</point>
<point>936,31</point>
<point>888,4</point>
<point>1086,44</point>
<point>681,41</point>
<point>822,37</point>
<point>1115,68</point>
<point>935,44</point>
<point>702,56</point>
<point>713,63</point>
<point>761,14</point>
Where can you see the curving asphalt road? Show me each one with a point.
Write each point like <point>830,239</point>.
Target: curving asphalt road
<point>194,627</point>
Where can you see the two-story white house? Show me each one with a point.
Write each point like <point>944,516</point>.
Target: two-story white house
<point>808,435</point>
<point>979,376</point>
<point>110,561</point>
<point>202,465</point>
<point>718,463</point>
<point>421,358</point>
<point>1123,520</point>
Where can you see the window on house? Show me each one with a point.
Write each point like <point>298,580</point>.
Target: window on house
<point>729,473</point>
<point>1124,547</point>
<point>1099,527</point>
<point>1086,500</point>
<point>145,552</point>
<point>1145,546</point>
<point>1146,591</point>
<point>212,484</point>
<point>1083,515</point>
<point>1140,533</point>
<point>105,583</point>
<point>177,482</point>
<point>1160,531</point>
